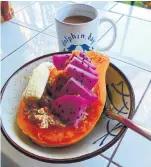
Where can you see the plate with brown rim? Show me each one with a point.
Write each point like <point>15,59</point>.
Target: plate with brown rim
<point>105,134</point>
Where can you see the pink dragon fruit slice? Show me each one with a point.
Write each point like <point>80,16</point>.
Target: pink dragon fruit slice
<point>84,77</point>
<point>87,62</point>
<point>75,61</point>
<point>73,87</point>
<point>84,56</point>
<point>59,60</point>
<point>70,108</point>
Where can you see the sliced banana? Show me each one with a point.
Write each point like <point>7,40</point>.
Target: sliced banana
<point>38,81</point>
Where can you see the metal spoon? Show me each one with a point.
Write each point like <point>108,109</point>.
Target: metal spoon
<point>142,130</point>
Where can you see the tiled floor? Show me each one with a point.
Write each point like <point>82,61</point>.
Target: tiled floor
<point>17,6</point>
<point>104,5</point>
<point>9,32</point>
<point>139,143</point>
<point>39,15</point>
<point>38,46</point>
<point>34,35</point>
<point>130,30</point>
<point>112,165</point>
<point>140,13</point>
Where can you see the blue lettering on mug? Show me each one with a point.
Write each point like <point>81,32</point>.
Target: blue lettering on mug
<point>69,39</point>
<point>91,38</point>
<point>73,36</point>
<point>84,46</point>
<point>82,35</point>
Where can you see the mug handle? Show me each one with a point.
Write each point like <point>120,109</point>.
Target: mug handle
<point>114,34</point>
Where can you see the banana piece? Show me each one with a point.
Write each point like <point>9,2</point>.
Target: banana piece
<point>38,81</point>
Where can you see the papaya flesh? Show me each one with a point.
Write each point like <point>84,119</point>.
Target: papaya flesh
<point>57,136</point>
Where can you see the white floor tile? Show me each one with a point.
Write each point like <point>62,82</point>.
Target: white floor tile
<point>39,15</point>
<point>13,36</point>
<point>98,4</point>
<point>104,27</point>
<point>134,75</point>
<point>133,42</point>
<point>143,115</point>
<point>102,4</point>
<point>108,153</point>
<point>112,165</point>
<point>17,6</point>
<point>134,150</point>
<point>134,11</point>
<point>136,147</point>
<point>38,46</point>
<point>51,30</point>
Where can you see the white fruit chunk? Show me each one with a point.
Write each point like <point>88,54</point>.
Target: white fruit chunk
<point>38,81</point>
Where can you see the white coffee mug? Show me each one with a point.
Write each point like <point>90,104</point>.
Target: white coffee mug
<point>81,36</point>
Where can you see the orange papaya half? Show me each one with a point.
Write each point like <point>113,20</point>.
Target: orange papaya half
<point>57,136</point>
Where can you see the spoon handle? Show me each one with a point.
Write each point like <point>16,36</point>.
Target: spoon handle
<point>146,132</point>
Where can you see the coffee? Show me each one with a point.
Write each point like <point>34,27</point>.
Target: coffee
<point>77,19</point>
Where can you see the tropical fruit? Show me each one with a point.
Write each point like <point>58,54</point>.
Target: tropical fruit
<point>64,136</point>
<point>74,87</point>
<point>70,108</point>
<point>84,77</point>
<point>59,60</point>
<point>81,64</point>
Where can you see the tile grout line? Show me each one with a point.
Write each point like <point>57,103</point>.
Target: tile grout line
<point>131,16</point>
<point>112,6</point>
<point>113,154</point>
<point>24,43</point>
<point>24,26</point>
<point>110,28</point>
<point>103,156</point>
<point>106,10</point>
<point>123,14</point>
<point>127,15</point>
<point>130,64</point>
<point>142,98</point>
<point>116,164</point>
<point>35,29</point>
<point>31,3</point>
<point>50,34</point>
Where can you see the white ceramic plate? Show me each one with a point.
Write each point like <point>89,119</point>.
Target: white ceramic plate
<point>104,135</point>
